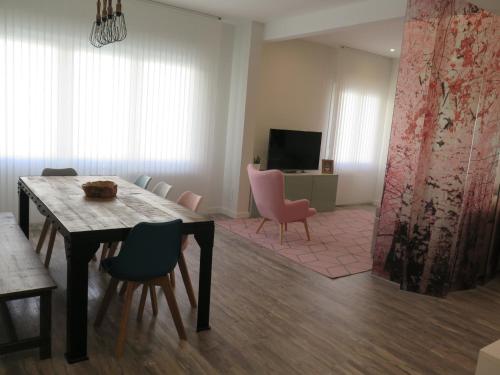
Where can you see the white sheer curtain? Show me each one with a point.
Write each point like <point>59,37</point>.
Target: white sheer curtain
<point>147,105</point>
<point>354,139</point>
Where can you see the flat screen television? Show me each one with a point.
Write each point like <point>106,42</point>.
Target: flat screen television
<point>293,150</point>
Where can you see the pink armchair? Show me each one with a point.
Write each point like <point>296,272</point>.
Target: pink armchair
<point>268,188</point>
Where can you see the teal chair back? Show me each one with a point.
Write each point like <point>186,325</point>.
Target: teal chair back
<point>151,250</point>
<point>143,181</point>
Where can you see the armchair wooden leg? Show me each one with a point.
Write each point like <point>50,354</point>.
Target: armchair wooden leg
<point>286,227</point>
<point>282,232</point>
<point>174,308</point>
<point>120,344</point>
<point>43,235</point>
<point>262,222</point>
<point>144,295</point>
<point>105,302</point>
<point>50,247</point>
<point>307,230</point>
<point>187,280</point>
<point>154,301</point>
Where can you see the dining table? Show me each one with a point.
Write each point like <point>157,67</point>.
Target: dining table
<point>85,223</point>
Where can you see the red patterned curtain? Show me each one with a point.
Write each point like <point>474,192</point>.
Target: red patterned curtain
<point>436,223</point>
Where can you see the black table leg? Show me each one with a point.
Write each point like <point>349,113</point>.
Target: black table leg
<point>205,238</point>
<point>78,255</point>
<point>45,325</point>
<point>24,212</point>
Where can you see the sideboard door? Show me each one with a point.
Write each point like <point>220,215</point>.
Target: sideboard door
<point>298,186</point>
<point>324,192</point>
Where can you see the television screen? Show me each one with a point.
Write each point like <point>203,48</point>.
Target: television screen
<point>293,150</point>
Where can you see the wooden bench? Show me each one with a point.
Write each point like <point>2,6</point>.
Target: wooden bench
<point>22,275</point>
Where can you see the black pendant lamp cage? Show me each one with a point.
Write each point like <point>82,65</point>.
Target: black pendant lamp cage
<point>109,26</point>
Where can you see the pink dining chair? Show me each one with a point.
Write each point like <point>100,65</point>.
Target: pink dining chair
<point>268,189</point>
<point>191,201</point>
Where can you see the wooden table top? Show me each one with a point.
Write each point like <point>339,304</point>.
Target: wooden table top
<point>65,199</point>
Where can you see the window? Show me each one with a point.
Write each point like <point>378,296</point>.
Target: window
<point>146,105</point>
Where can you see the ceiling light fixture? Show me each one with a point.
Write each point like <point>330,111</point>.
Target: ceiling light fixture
<point>392,50</point>
<point>109,27</point>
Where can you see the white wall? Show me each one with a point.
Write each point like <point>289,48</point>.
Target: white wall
<point>241,119</point>
<point>295,88</point>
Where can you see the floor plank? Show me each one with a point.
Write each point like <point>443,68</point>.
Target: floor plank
<point>270,315</point>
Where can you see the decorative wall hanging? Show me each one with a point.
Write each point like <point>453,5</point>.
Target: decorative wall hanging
<point>437,215</point>
<point>109,26</point>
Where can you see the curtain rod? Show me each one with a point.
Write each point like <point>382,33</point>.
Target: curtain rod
<point>182,9</point>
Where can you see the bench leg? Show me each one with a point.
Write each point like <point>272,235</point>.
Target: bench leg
<point>45,325</point>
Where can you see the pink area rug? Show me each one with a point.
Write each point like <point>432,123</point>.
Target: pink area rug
<point>340,241</point>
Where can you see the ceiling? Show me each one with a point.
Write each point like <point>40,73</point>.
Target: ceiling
<point>257,10</point>
<point>379,37</point>
<point>376,37</point>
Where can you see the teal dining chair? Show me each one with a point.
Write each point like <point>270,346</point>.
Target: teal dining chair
<point>51,172</point>
<point>150,252</point>
<point>143,181</point>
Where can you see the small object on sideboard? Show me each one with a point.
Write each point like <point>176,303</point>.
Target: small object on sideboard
<point>326,166</point>
<point>100,189</point>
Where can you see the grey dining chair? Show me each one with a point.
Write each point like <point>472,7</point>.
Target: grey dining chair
<point>162,189</point>
<point>47,224</point>
<point>143,181</point>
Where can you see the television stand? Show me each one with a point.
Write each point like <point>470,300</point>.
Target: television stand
<point>293,171</point>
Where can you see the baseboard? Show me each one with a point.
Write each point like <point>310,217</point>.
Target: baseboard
<point>211,211</point>
<point>234,214</point>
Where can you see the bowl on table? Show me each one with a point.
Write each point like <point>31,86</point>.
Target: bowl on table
<point>100,189</point>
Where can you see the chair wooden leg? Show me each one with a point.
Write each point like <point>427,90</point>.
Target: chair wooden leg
<point>187,280</point>
<point>120,343</point>
<point>174,308</point>
<point>262,222</point>
<point>112,250</point>
<point>154,300</point>
<point>123,289</point>
<point>104,252</point>
<point>306,227</point>
<point>144,295</point>
<point>43,235</point>
<point>105,302</point>
<point>282,230</point>
<point>286,227</point>
<point>50,247</point>
<point>172,278</point>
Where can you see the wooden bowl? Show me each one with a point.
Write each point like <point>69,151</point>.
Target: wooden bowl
<point>100,189</point>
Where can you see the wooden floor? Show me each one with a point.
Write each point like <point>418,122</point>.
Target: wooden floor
<point>272,316</point>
